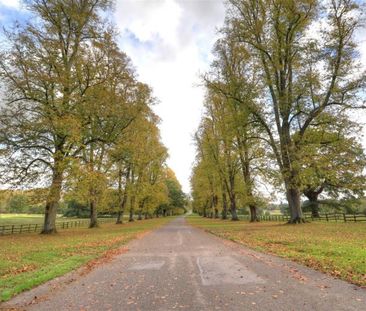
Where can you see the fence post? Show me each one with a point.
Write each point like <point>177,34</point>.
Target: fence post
<point>326,216</point>
<point>354,217</point>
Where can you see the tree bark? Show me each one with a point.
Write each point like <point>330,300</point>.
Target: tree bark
<point>122,208</point>
<point>215,202</point>
<point>93,214</point>
<point>245,168</point>
<point>122,197</point>
<point>293,198</point>
<point>313,201</point>
<point>132,209</point>
<point>53,199</point>
<point>253,213</point>
<point>290,174</point>
<point>131,216</point>
<point>224,205</point>
<point>234,215</point>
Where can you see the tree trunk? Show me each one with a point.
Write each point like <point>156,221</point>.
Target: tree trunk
<point>122,198</point>
<point>141,208</point>
<point>52,203</point>
<point>119,218</point>
<point>313,201</point>
<point>132,209</point>
<point>290,172</point>
<point>131,216</point>
<point>93,214</point>
<point>224,205</point>
<point>215,202</point>
<point>122,208</point>
<point>253,213</point>
<point>293,198</point>
<point>245,167</point>
<point>234,215</point>
<point>314,209</point>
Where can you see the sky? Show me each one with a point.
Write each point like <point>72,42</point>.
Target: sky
<point>170,44</point>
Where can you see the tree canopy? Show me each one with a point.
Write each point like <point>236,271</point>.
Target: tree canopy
<point>76,120</point>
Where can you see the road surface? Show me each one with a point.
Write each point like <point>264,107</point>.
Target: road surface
<point>178,267</point>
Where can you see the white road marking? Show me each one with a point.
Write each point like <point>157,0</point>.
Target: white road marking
<point>225,270</point>
<point>154,265</point>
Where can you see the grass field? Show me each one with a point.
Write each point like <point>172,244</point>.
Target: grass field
<point>18,219</point>
<point>31,259</point>
<point>338,249</point>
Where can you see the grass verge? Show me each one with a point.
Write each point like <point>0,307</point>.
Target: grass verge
<point>338,249</point>
<point>32,259</point>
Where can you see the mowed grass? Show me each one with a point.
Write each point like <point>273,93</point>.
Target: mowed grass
<point>31,259</point>
<point>19,219</point>
<point>338,249</point>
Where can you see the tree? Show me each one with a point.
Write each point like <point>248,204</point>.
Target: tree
<point>18,203</point>
<point>137,161</point>
<point>332,162</point>
<point>302,75</point>
<point>109,109</point>
<point>215,141</point>
<point>176,197</point>
<point>228,76</point>
<point>40,126</point>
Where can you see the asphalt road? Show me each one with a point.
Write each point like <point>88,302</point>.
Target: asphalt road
<point>179,267</point>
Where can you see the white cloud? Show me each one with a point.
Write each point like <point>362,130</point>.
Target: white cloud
<point>11,3</point>
<point>169,42</point>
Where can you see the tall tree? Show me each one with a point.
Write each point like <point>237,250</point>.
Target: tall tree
<point>41,71</point>
<point>109,108</point>
<point>229,75</point>
<point>303,74</point>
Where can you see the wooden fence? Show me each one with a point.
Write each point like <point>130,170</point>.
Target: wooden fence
<point>335,217</point>
<point>29,228</point>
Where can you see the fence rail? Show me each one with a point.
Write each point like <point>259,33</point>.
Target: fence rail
<point>29,228</point>
<point>335,217</point>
